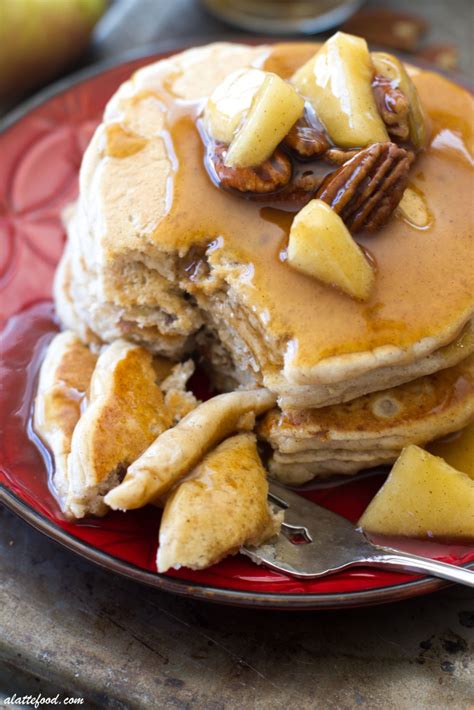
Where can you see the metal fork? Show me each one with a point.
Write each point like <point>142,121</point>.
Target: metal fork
<point>334,544</point>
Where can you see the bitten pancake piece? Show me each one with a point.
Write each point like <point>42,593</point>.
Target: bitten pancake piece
<point>64,380</point>
<point>218,509</point>
<point>126,412</point>
<point>178,399</point>
<point>175,453</point>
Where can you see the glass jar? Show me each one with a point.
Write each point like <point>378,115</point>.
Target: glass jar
<point>283,16</point>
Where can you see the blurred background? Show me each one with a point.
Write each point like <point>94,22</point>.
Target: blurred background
<point>42,40</point>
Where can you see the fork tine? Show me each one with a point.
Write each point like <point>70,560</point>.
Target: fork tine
<point>334,544</point>
<point>283,556</point>
<point>301,512</point>
<point>330,538</point>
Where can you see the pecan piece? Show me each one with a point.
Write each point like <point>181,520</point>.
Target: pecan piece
<point>295,195</point>
<point>271,175</point>
<point>393,107</point>
<point>299,191</point>
<point>337,156</point>
<point>366,189</point>
<point>306,139</point>
<point>307,181</point>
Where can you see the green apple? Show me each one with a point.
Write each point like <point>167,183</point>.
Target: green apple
<point>39,38</point>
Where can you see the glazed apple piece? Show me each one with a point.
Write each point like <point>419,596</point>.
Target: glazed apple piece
<point>422,497</point>
<point>275,108</point>
<point>338,83</point>
<point>230,101</point>
<point>321,246</point>
<point>391,68</point>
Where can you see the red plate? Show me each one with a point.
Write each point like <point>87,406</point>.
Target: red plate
<point>41,147</point>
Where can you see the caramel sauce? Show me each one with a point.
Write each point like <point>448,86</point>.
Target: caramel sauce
<point>424,277</point>
<point>416,211</point>
<point>121,143</point>
<point>457,450</point>
<point>286,57</point>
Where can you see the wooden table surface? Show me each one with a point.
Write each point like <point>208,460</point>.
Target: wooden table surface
<point>68,627</point>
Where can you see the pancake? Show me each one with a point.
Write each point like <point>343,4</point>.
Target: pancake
<point>125,412</point>
<point>220,507</point>
<point>64,381</point>
<point>370,430</point>
<point>178,400</point>
<point>65,305</point>
<point>177,451</point>
<point>134,315</point>
<point>97,414</point>
<point>160,254</point>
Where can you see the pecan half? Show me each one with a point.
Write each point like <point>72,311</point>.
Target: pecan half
<point>366,189</point>
<point>271,175</point>
<point>393,107</point>
<point>306,139</point>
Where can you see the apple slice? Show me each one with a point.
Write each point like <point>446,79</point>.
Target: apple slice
<point>321,246</point>
<point>274,110</point>
<point>422,497</point>
<point>392,69</point>
<point>338,82</point>
<point>230,101</point>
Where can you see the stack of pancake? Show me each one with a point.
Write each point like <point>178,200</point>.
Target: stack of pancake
<point>161,256</point>
<point>369,430</point>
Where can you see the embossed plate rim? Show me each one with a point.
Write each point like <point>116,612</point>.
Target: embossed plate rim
<point>232,597</point>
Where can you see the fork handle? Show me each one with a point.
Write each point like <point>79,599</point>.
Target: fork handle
<point>414,563</point>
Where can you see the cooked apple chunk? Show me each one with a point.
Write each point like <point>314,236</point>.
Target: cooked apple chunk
<point>230,101</point>
<point>338,82</point>
<point>275,108</point>
<point>422,497</point>
<point>320,245</point>
<point>391,68</point>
